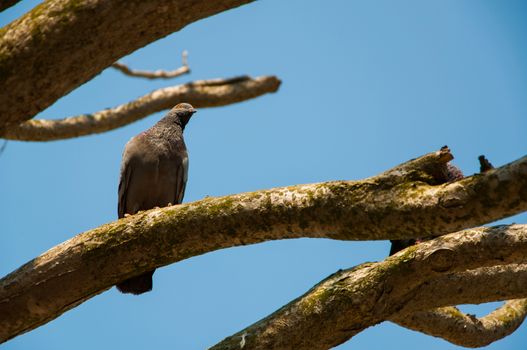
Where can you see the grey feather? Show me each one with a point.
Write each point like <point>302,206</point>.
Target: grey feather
<point>154,173</point>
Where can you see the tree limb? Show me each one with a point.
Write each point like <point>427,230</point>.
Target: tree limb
<point>41,52</point>
<point>204,93</point>
<point>349,301</point>
<point>381,207</point>
<point>467,330</point>
<point>470,287</point>
<point>158,74</point>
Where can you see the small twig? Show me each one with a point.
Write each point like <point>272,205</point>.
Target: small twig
<point>484,164</point>
<point>201,94</point>
<point>158,74</point>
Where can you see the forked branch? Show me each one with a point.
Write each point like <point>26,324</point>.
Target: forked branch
<point>467,330</point>
<point>349,301</point>
<point>201,94</point>
<point>408,201</point>
<point>42,51</point>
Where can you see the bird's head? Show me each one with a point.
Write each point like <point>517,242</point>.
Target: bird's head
<point>183,112</point>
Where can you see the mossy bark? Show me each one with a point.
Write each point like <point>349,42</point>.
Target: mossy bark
<point>352,300</point>
<point>408,201</point>
<point>468,330</point>
<point>61,44</point>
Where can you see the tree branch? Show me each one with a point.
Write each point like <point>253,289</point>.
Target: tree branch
<point>158,74</point>
<point>349,301</point>
<point>204,93</point>
<point>467,330</point>
<point>40,52</point>
<point>506,282</point>
<point>380,207</point>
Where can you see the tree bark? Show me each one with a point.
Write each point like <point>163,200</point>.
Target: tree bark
<point>408,201</point>
<point>458,328</point>
<point>61,44</point>
<point>349,301</point>
<point>204,93</point>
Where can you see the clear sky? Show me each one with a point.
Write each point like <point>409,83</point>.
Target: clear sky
<point>366,86</point>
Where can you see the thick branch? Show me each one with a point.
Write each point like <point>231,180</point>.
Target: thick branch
<point>158,74</point>
<point>349,210</point>
<point>472,287</point>
<point>350,301</point>
<point>467,330</point>
<point>205,93</point>
<point>41,52</point>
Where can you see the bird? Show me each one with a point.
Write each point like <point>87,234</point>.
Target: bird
<point>154,171</point>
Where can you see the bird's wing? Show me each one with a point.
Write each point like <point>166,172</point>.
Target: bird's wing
<point>181,180</point>
<point>124,181</point>
<point>138,168</point>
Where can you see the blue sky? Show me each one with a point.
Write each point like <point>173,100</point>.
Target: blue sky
<point>366,86</point>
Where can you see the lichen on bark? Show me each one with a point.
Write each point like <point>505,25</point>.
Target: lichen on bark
<point>40,52</point>
<point>375,208</point>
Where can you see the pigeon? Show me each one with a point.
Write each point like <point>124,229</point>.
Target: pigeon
<point>154,172</point>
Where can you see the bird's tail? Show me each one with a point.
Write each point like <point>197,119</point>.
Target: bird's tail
<point>138,284</point>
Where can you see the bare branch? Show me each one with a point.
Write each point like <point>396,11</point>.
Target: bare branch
<point>350,301</point>
<point>158,74</point>
<point>375,208</point>
<point>204,93</point>
<point>472,286</point>
<point>43,50</point>
<point>467,330</point>
<point>469,287</point>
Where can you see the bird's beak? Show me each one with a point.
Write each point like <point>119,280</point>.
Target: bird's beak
<point>193,110</point>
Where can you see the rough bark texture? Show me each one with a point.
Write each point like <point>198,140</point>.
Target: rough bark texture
<point>507,281</point>
<point>350,301</point>
<point>467,330</point>
<point>400,203</point>
<point>61,44</point>
<point>203,93</point>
